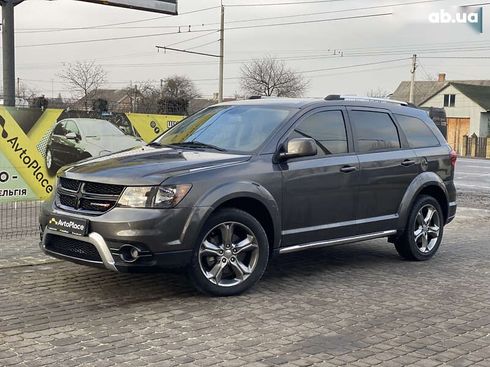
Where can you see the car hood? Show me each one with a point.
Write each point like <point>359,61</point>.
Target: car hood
<point>103,145</point>
<point>146,165</point>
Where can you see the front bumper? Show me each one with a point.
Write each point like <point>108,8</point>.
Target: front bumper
<point>160,235</point>
<point>110,259</point>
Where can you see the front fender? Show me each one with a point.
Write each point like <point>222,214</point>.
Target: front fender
<point>420,182</point>
<point>211,200</point>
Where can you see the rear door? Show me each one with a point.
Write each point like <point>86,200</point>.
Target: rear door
<point>320,192</point>
<point>387,167</point>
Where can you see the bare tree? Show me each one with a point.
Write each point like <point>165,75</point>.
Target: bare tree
<point>378,93</point>
<point>143,97</point>
<point>26,92</point>
<point>84,78</point>
<point>271,77</point>
<point>178,86</point>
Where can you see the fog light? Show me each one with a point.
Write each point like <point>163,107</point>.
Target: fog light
<point>129,253</point>
<point>135,253</point>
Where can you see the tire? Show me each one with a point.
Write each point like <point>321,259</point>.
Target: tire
<point>51,167</point>
<point>231,254</point>
<point>423,232</point>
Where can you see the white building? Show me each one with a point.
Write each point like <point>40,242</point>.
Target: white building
<point>466,102</point>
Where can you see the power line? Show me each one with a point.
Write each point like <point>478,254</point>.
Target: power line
<point>193,38</point>
<point>311,21</point>
<point>206,30</point>
<point>356,65</point>
<point>103,27</point>
<point>114,24</point>
<point>109,39</point>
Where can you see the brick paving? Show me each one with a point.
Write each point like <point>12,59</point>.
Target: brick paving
<point>352,305</point>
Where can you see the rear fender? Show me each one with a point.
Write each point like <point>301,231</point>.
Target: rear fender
<point>422,181</point>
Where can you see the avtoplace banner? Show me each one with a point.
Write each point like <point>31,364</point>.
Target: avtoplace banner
<point>34,144</point>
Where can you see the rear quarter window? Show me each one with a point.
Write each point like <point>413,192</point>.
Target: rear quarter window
<point>418,134</point>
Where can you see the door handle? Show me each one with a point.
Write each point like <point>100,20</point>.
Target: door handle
<point>408,162</point>
<point>347,169</point>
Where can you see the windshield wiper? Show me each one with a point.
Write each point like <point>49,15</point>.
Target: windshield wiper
<point>198,144</point>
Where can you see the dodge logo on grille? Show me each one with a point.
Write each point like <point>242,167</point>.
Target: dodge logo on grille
<point>101,205</point>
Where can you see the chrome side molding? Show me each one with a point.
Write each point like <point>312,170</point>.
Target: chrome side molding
<point>336,241</point>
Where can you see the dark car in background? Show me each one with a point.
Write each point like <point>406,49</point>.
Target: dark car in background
<point>239,182</point>
<point>76,139</point>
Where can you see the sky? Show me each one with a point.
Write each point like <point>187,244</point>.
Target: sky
<point>368,48</point>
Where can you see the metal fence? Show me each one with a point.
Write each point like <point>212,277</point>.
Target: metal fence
<point>19,219</point>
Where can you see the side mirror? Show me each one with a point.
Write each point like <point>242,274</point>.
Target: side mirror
<point>71,136</point>
<point>298,147</point>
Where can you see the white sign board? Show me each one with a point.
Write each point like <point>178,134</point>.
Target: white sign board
<point>158,6</point>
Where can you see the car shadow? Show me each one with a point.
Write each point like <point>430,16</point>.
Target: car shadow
<point>137,288</point>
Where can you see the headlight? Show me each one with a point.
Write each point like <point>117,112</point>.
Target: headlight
<point>165,196</point>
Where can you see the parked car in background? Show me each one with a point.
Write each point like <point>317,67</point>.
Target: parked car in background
<point>76,139</point>
<point>239,182</point>
<point>19,102</point>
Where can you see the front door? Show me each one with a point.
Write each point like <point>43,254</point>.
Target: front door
<point>320,191</point>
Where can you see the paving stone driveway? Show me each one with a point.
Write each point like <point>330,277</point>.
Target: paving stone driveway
<point>355,305</point>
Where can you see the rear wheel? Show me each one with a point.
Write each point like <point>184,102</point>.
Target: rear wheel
<point>231,254</point>
<point>424,230</point>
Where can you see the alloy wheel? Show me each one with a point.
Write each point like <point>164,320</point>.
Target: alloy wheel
<point>49,159</point>
<point>427,228</point>
<point>228,254</point>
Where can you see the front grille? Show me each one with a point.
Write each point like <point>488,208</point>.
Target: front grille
<point>68,200</point>
<point>106,189</point>
<point>72,185</point>
<point>72,247</point>
<point>90,197</point>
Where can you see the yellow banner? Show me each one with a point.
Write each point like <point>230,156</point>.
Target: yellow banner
<point>25,138</point>
<point>22,153</point>
<point>150,126</point>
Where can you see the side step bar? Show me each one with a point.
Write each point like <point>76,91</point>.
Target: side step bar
<point>337,241</point>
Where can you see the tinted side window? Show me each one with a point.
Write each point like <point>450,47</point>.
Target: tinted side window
<point>59,129</point>
<point>417,132</point>
<point>327,128</point>
<point>374,131</point>
<point>71,127</point>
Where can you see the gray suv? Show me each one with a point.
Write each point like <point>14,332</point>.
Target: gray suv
<point>231,186</point>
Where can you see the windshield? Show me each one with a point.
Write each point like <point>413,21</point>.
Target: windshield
<point>99,128</point>
<point>235,128</point>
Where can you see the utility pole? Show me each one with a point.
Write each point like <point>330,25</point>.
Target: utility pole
<point>221,53</point>
<point>161,88</point>
<point>8,51</point>
<point>412,82</point>
<point>18,87</point>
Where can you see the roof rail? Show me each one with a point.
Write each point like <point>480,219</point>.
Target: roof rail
<point>262,97</point>
<point>338,97</point>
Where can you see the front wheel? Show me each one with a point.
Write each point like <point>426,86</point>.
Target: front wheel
<point>231,254</point>
<point>423,232</point>
<point>50,165</point>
